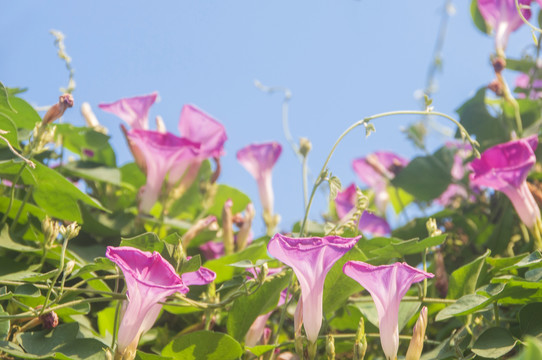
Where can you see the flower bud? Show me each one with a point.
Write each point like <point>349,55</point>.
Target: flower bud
<point>196,229</point>
<point>49,320</point>
<point>432,228</point>
<point>416,343</point>
<point>227,227</point>
<point>160,125</point>
<point>71,231</point>
<point>51,229</point>
<point>497,87</point>
<point>90,119</point>
<point>330,347</point>
<point>57,110</point>
<point>312,349</point>
<point>69,267</point>
<point>244,232</point>
<point>360,345</point>
<point>305,146</point>
<point>499,63</point>
<point>299,346</point>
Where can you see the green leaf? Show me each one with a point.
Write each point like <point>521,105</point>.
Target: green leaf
<point>427,177</point>
<point>463,280</point>
<point>4,97</point>
<point>78,139</point>
<point>21,113</point>
<point>532,351</point>
<point>225,192</point>
<point>337,286</point>
<point>406,311</point>
<point>259,350</point>
<point>7,242</point>
<point>398,248</point>
<point>478,121</point>
<point>62,341</point>
<point>7,125</point>
<point>334,187</point>
<point>399,198</point>
<point>477,17</point>
<point>222,268</point>
<point>28,209</point>
<point>191,265</point>
<point>27,290</point>
<point>494,343</point>
<point>4,324</point>
<point>92,171</point>
<point>203,345</point>
<point>106,321</point>
<point>144,356</point>
<point>146,242</point>
<point>463,306</point>
<point>522,65</point>
<point>246,309</point>
<point>530,319</point>
<point>530,260</point>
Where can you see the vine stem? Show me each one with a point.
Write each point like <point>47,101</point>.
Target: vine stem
<point>57,275</point>
<point>12,195</point>
<point>424,300</point>
<point>366,120</point>
<point>534,28</point>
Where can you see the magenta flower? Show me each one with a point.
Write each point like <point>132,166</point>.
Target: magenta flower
<point>197,126</point>
<point>149,280</point>
<point>368,223</point>
<point>505,167</point>
<point>376,170</point>
<point>453,191</point>
<point>134,110</point>
<point>503,17</point>
<point>163,156</point>
<point>258,160</point>
<point>387,285</point>
<point>311,259</point>
<point>523,81</point>
<point>202,276</point>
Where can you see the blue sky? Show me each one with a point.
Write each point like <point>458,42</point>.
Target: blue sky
<point>342,59</point>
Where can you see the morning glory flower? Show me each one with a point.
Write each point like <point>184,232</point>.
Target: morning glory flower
<point>197,126</point>
<point>368,223</point>
<point>505,167</point>
<point>376,170</point>
<point>523,81</point>
<point>311,259</point>
<point>164,156</point>
<point>387,285</point>
<point>134,110</point>
<point>149,280</point>
<point>258,160</point>
<point>503,17</point>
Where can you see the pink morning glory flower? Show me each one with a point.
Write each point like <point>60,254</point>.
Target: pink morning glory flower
<point>502,16</point>
<point>523,82</point>
<point>505,167</point>
<point>458,172</point>
<point>164,156</point>
<point>368,223</point>
<point>149,280</point>
<point>376,170</point>
<point>311,259</point>
<point>387,285</point>
<point>134,110</point>
<point>196,125</point>
<point>258,160</point>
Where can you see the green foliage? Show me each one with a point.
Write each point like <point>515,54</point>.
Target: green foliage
<point>203,345</point>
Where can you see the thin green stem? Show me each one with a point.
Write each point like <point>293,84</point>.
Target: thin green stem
<point>305,181</point>
<point>425,300</point>
<point>116,320</point>
<point>534,28</point>
<point>12,194</point>
<point>318,181</point>
<point>274,340</point>
<point>496,313</point>
<point>57,275</point>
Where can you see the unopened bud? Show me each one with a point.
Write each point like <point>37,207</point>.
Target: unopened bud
<point>51,229</point>
<point>196,229</point>
<point>312,349</point>
<point>497,87</point>
<point>160,125</point>
<point>416,343</point>
<point>227,227</point>
<point>305,146</point>
<point>360,344</point>
<point>262,274</point>
<point>89,116</point>
<point>69,267</point>
<point>71,231</point>
<point>432,228</point>
<point>57,110</point>
<point>499,63</point>
<point>243,234</point>
<point>108,354</point>
<point>330,347</point>
<point>49,320</point>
